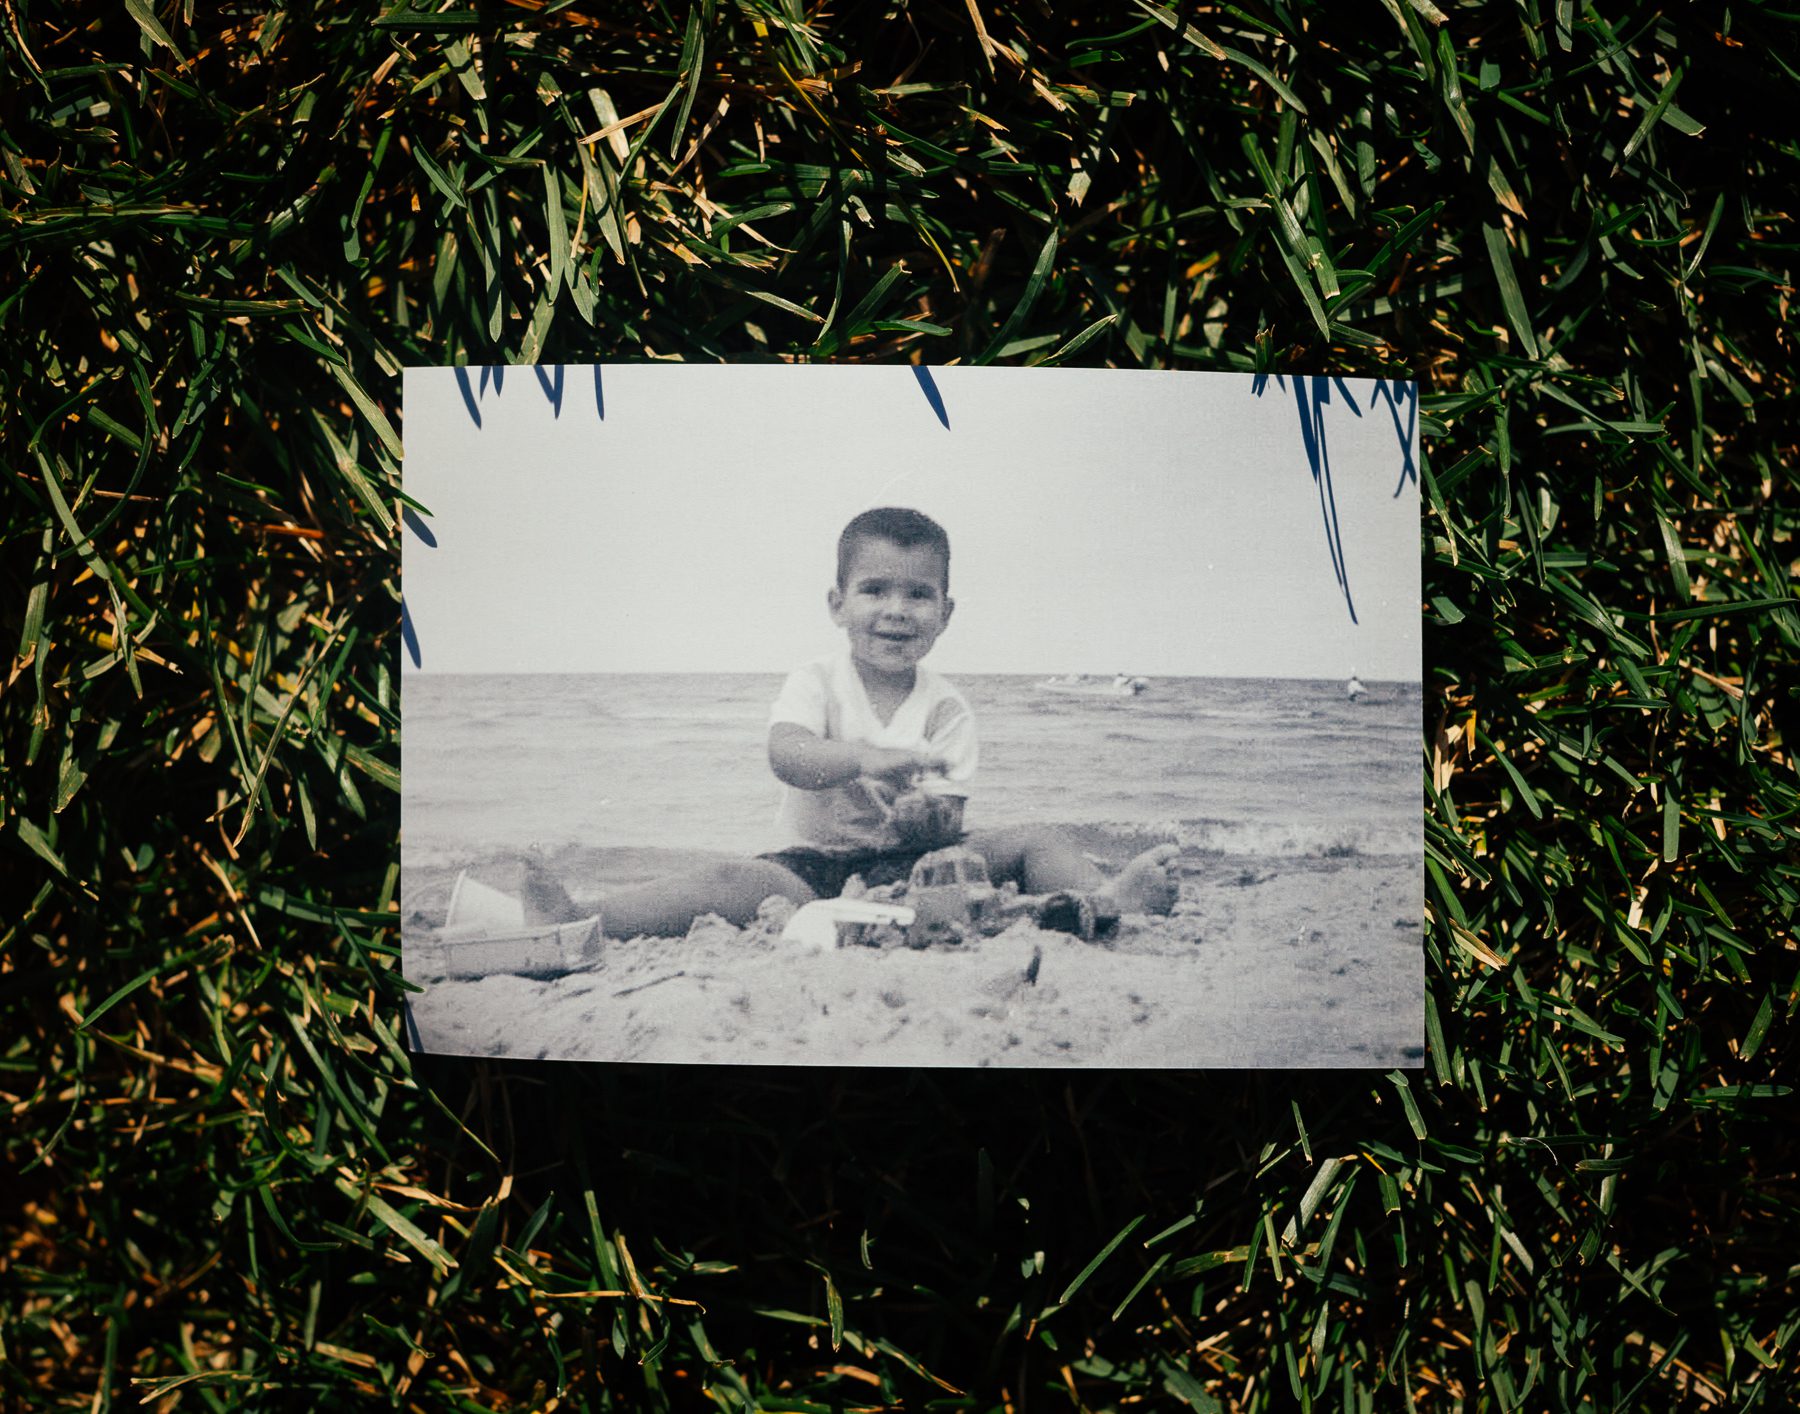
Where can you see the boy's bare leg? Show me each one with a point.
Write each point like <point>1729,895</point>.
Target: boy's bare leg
<point>665,908</point>
<point>1043,861</point>
<point>1039,861</point>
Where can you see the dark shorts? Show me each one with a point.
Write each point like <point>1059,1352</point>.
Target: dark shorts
<point>827,873</point>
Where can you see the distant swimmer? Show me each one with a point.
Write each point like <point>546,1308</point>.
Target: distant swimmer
<point>1355,689</point>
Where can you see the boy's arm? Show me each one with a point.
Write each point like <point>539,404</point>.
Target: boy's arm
<point>950,737</point>
<point>803,759</point>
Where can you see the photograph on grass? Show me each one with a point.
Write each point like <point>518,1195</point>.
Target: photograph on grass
<point>842,715</point>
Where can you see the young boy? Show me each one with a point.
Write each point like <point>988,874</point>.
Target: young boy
<point>875,753</point>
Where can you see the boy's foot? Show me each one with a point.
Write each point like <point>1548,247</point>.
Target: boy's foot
<point>1147,884</point>
<point>546,900</point>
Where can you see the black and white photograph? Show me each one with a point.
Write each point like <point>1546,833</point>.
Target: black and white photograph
<point>906,716</point>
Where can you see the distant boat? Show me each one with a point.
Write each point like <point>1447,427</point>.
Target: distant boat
<point>1120,685</point>
<point>1354,689</point>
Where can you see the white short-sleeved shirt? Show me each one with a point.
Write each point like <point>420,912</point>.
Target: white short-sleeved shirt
<point>827,697</point>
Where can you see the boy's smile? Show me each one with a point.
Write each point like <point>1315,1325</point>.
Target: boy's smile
<point>893,607</point>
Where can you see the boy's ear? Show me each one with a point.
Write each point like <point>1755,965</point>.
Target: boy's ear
<point>834,600</point>
<point>949,609</point>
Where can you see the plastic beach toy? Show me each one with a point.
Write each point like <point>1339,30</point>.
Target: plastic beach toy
<point>485,932</point>
<point>821,925</point>
<point>950,899</point>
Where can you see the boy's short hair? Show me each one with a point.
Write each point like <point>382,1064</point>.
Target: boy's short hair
<point>905,528</point>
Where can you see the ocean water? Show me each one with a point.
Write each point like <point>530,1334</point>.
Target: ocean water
<point>1261,768</point>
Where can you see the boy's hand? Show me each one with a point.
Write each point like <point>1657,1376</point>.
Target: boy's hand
<point>901,767</point>
<point>927,821</point>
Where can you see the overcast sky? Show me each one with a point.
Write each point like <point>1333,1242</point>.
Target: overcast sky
<point>1100,521</point>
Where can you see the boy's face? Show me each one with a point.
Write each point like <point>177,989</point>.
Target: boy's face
<point>892,605</point>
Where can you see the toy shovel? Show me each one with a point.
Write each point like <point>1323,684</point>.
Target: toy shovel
<point>815,926</point>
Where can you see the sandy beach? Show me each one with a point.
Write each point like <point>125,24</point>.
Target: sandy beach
<point>1297,962</point>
